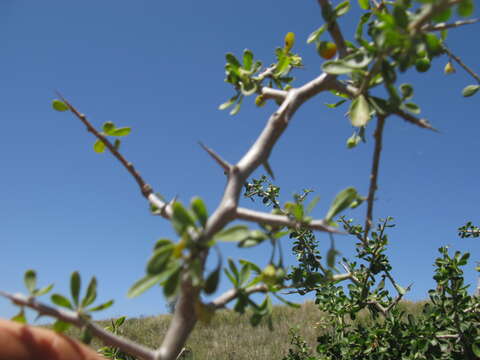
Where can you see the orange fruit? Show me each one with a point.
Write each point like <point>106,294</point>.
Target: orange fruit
<point>326,49</point>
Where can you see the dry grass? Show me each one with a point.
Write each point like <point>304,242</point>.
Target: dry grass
<point>231,337</point>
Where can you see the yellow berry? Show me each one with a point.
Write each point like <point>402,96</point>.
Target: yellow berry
<point>260,101</point>
<point>289,41</point>
<point>327,49</point>
<point>449,69</point>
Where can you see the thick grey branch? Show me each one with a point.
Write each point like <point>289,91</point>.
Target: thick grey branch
<point>77,320</point>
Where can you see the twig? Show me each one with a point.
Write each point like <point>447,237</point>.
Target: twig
<point>232,294</point>
<point>282,220</point>
<point>429,13</point>
<point>461,63</point>
<point>334,30</point>
<point>423,123</point>
<point>77,320</point>
<point>145,188</point>
<point>445,26</point>
<point>224,164</point>
<point>374,174</point>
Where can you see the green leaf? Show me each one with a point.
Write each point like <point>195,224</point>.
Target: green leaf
<point>161,243</point>
<point>120,131</point>
<point>75,284</point>
<point>283,64</point>
<point>20,317</point>
<point>159,260</point>
<point>233,268</point>
<point>247,59</point>
<point>253,266</point>
<point>119,322</point>
<point>476,349</point>
<point>91,293</point>
<point>465,8</point>
<point>413,108</point>
<point>336,67</point>
<point>286,302</point>
<point>434,45</point>
<point>364,4</point>
<point>116,144</point>
<point>60,326</point>
<point>314,36</point>
<point>145,283</point>
<point>228,103</point>
<point>244,274</point>
<point>312,204</point>
<point>30,279</point>
<point>99,146</point>
<point>59,105</point>
<point>61,300</point>
<point>200,210</point>
<point>407,91</point>
<point>171,285</point>
<point>342,8</point>
<point>212,281</point>
<point>236,108</point>
<point>86,336</point>
<point>108,127</point>
<point>331,255</point>
<point>353,141</point>
<point>233,234</point>
<point>43,291</point>
<point>337,104</point>
<point>342,201</point>
<point>359,111</point>
<point>401,17</point>
<point>443,16</point>
<point>470,90</point>
<point>231,59</point>
<point>103,306</point>
<point>181,218</point>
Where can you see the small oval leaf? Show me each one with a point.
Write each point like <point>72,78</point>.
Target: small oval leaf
<point>470,90</point>
<point>59,105</point>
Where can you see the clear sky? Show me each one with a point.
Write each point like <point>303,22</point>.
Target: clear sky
<point>157,66</point>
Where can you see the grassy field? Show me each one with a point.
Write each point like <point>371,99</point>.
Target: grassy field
<point>231,337</point>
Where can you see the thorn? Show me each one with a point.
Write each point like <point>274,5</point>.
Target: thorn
<point>225,165</point>
<point>268,169</point>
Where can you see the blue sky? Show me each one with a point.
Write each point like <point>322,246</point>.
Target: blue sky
<point>158,67</point>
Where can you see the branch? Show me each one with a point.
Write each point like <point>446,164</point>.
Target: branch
<point>232,294</point>
<point>374,174</point>
<point>461,63</point>
<point>282,220</point>
<point>77,320</point>
<point>445,26</point>
<point>429,12</point>
<point>269,93</point>
<point>423,123</point>
<point>145,188</point>
<point>334,30</point>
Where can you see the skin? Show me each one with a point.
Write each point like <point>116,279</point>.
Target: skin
<point>23,342</point>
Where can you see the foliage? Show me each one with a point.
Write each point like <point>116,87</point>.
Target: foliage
<point>447,328</point>
<point>391,37</point>
<point>111,352</point>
